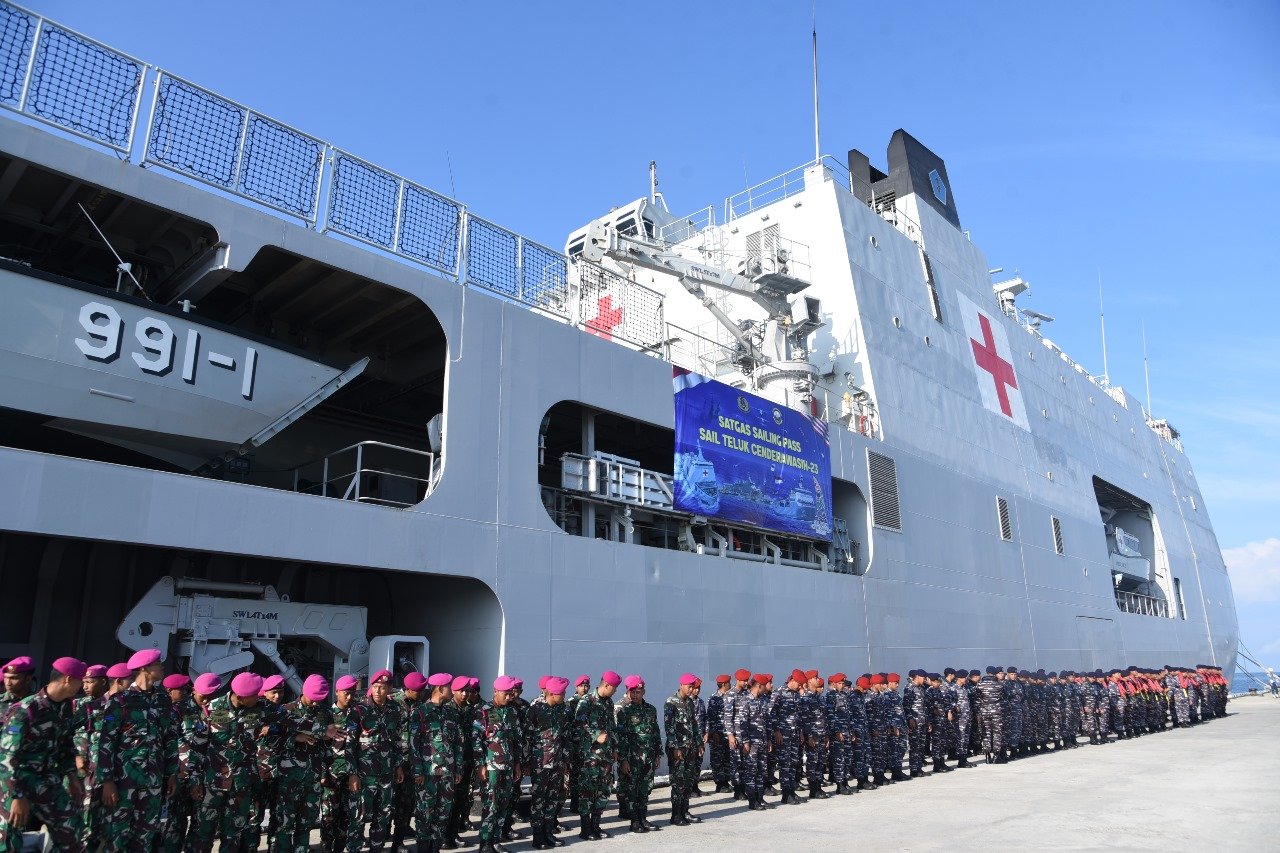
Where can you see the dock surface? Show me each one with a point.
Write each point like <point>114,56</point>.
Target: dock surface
<point>1211,786</point>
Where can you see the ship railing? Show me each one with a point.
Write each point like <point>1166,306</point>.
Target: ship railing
<point>699,353</point>
<point>688,226</point>
<point>1142,605</point>
<point>779,187</point>
<point>59,78</point>
<point>615,479</point>
<point>371,472</point>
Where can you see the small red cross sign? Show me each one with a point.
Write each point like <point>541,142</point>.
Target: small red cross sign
<point>989,360</point>
<point>606,320</point>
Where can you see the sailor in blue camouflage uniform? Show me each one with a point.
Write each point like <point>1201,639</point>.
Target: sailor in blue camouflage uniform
<point>913,706</point>
<point>878,724</point>
<point>963,725</point>
<point>816,731</point>
<point>1055,701</point>
<point>785,725</point>
<point>718,736</point>
<point>940,707</point>
<point>1030,712</point>
<point>1104,705</point>
<point>1016,706</point>
<point>1115,698</point>
<point>838,702</point>
<point>859,716</point>
<point>737,693</point>
<point>898,718</point>
<point>751,732</point>
<point>38,763</point>
<point>991,698</point>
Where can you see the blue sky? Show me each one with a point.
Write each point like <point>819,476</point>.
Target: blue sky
<point>1139,139</point>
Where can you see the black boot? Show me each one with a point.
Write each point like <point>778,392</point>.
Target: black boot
<point>540,841</point>
<point>584,831</point>
<point>486,847</point>
<point>739,792</point>
<point>644,818</point>
<point>690,817</point>
<point>637,826</point>
<point>624,810</point>
<point>596,832</point>
<point>677,813</point>
<point>898,775</point>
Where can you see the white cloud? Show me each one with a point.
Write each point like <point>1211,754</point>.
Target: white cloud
<point>1255,571</point>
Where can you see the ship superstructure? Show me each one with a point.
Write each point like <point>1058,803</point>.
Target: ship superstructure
<point>477,443</point>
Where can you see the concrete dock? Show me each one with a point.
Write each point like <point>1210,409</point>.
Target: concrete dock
<point>1214,786</point>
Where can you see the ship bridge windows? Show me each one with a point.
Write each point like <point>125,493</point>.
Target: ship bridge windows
<point>1136,556</point>
<point>606,476</point>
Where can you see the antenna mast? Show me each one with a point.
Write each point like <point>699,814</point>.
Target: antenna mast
<point>1102,318</point>
<point>1146,370</point>
<point>817,146</point>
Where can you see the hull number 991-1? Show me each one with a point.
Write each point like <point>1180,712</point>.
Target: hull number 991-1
<point>157,344</point>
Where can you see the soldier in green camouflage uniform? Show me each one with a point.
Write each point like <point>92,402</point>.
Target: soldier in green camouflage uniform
<point>639,754</point>
<point>581,686</point>
<point>495,741</point>
<point>193,741</point>
<point>17,683</point>
<point>683,749</point>
<point>434,753</point>
<point>270,748</point>
<point>463,712</point>
<point>235,722</point>
<point>87,711</point>
<point>405,797</point>
<point>340,801</point>
<point>296,809</point>
<point>596,745</point>
<point>38,763</point>
<point>378,759</point>
<point>546,733</point>
<point>137,757</point>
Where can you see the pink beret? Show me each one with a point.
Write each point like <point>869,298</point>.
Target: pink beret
<point>415,681</point>
<point>315,688</point>
<point>346,682</point>
<point>460,682</point>
<point>177,681</point>
<point>440,679</point>
<point>504,682</point>
<point>633,681</point>
<point>516,683</point>
<point>380,675</point>
<point>96,671</point>
<point>542,682</point>
<point>271,682</point>
<point>582,679</point>
<point>19,664</point>
<point>557,685</point>
<point>144,658</point>
<point>473,683</point>
<point>119,670</point>
<point>208,684</point>
<point>688,678</point>
<point>611,678</point>
<point>246,684</point>
<point>70,667</point>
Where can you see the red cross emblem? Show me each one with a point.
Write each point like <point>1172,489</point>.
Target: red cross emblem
<point>989,360</point>
<point>606,320</point>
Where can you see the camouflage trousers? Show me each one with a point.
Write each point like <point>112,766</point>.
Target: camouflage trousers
<point>264,797</point>
<point>496,793</point>
<point>595,777</point>
<point>1055,724</point>
<point>735,764</point>
<point>960,730</point>
<point>296,810</point>
<point>131,824</point>
<point>861,754</point>
<point>376,794</point>
<point>432,810</point>
<point>52,805</point>
<point>753,767</point>
<point>404,805</point>
<point>635,782</point>
<point>1013,738</point>
<point>684,769</point>
<point>222,816</point>
<point>841,756</point>
<point>547,789</point>
<point>719,744</point>
<point>917,732</point>
<point>788,753</point>
<point>815,759</point>
<point>462,797</point>
<point>938,743</point>
<point>182,813</point>
<point>339,814</point>
<point>992,731</point>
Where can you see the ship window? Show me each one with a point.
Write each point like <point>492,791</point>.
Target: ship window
<point>1057,536</point>
<point>1006,526</point>
<point>1177,596</point>
<point>885,511</point>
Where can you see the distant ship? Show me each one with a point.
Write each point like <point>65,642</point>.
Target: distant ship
<point>240,364</point>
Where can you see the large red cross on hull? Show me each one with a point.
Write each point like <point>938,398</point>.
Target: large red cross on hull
<point>989,360</point>
<point>606,320</point>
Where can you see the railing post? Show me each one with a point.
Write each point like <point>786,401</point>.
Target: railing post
<point>325,153</point>
<point>519,267</point>
<point>31,64</point>
<point>151,115</point>
<point>324,479</point>
<point>464,227</point>
<point>395,228</point>
<point>244,134</point>
<point>359,469</point>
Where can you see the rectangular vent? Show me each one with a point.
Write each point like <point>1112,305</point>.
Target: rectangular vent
<point>884,491</point>
<point>1006,526</point>
<point>1057,535</point>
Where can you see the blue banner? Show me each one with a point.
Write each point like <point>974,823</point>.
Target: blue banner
<point>747,460</point>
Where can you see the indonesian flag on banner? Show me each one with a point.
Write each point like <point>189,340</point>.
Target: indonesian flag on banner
<point>992,360</point>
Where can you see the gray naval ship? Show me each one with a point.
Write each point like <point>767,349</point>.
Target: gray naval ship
<point>260,398</point>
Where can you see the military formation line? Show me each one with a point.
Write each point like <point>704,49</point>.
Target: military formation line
<point>126,758</point>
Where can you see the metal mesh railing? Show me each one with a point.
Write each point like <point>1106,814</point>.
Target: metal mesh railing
<point>54,75</point>
<point>68,80</point>
<point>17,33</point>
